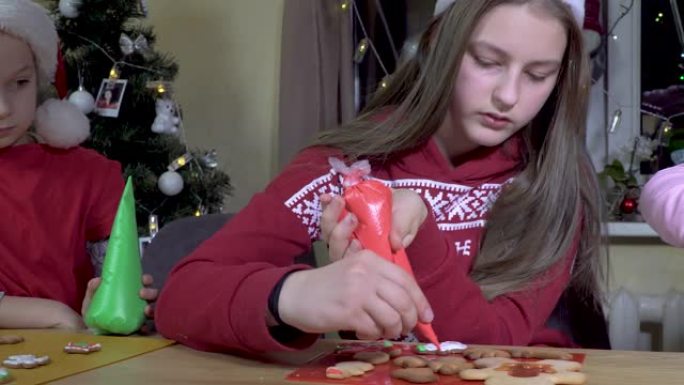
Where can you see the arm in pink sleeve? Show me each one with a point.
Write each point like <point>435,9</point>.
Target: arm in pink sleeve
<point>662,204</point>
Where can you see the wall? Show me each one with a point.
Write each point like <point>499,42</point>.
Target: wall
<point>229,58</point>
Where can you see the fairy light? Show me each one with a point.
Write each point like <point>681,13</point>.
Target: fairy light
<point>361,50</point>
<point>180,161</point>
<point>114,73</point>
<point>153,225</point>
<point>161,89</point>
<point>344,5</point>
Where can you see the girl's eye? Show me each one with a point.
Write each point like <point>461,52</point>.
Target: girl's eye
<point>536,78</point>
<point>485,62</point>
<point>23,82</point>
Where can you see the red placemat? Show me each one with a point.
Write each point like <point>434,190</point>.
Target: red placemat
<point>315,371</point>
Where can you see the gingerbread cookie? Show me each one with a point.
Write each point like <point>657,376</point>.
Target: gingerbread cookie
<point>410,362</point>
<point>81,348</point>
<point>375,358</point>
<point>26,361</point>
<point>449,366</point>
<point>504,371</point>
<point>346,369</point>
<point>477,353</point>
<point>5,376</point>
<point>394,351</point>
<point>541,354</point>
<point>415,375</point>
<point>10,339</point>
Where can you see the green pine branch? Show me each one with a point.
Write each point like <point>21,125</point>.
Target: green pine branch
<point>143,154</point>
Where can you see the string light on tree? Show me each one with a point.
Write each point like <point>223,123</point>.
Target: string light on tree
<point>153,224</point>
<point>114,72</point>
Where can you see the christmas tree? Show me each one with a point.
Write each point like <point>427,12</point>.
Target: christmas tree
<point>108,51</point>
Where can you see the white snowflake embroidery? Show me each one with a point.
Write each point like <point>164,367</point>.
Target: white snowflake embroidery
<point>455,207</point>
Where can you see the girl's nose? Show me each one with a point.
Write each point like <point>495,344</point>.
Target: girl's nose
<point>507,92</point>
<point>5,109</point>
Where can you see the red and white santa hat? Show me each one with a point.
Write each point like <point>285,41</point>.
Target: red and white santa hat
<point>58,122</point>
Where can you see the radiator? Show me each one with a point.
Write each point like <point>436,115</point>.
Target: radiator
<point>628,311</point>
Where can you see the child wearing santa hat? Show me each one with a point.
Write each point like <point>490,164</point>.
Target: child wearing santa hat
<point>55,197</point>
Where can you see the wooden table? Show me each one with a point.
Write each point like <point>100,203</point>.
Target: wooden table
<point>180,365</point>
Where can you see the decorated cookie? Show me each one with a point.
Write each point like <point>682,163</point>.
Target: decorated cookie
<point>394,351</point>
<point>346,369</point>
<point>410,362</point>
<point>541,354</point>
<point>5,376</point>
<point>26,361</point>
<point>375,358</point>
<point>477,353</point>
<point>504,371</point>
<point>415,375</point>
<point>81,348</point>
<point>446,347</point>
<point>449,365</point>
<point>10,339</point>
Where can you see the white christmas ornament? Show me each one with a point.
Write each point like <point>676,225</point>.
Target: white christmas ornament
<point>69,8</point>
<point>83,100</point>
<point>170,183</point>
<point>166,121</point>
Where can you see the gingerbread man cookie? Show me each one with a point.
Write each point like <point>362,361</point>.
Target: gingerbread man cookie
<point>505,371</point>
<point>81,348</point>
<point>375,358</point>
<point>477,353</point>
<point>541,354</point>
<point>449,365</point>
<point>346,369</point>
<point>410,362</point>
<point>26,361</point>
<point>5,376</point>
<point>10,339</point>
<point>415,375</point>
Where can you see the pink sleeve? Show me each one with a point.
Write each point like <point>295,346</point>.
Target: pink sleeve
<point>662,204</point>
<point>462,313</point>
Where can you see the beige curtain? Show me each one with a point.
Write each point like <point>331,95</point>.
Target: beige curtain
<point>316,74</point>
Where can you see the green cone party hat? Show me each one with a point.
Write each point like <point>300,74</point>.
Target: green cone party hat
<point>116,307</point>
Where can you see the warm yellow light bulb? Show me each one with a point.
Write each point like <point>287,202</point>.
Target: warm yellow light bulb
<point>161,89</point>
<point>113,73</point>
<point>344,5</point>
<point>181,161</point>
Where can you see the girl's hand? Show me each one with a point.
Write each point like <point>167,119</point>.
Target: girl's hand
<point>147,293</point>
<point>408,214</point>
<point>37,313</point>
<point>361,292</point>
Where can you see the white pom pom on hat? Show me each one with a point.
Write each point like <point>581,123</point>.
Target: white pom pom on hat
<point>59,123</point>
<point>50,123</point>
<point>577,7</point>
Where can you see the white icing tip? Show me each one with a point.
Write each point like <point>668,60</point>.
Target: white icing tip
<point>446,346</point>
